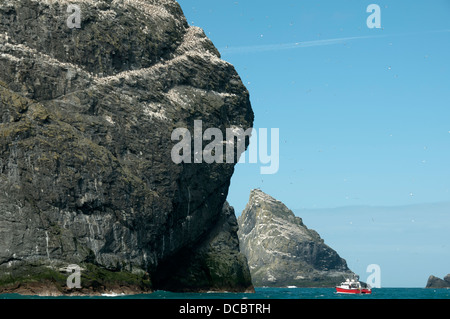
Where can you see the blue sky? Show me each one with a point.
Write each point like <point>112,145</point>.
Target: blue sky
<point>409,243</point>
<point>363,121</point>
<point>363,114</point>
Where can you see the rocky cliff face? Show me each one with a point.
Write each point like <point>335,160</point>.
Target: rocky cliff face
<point>282,251</point>
<point>86,176</point>
<point>436,282</point>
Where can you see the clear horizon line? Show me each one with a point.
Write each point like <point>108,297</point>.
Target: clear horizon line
<point>376,206</point>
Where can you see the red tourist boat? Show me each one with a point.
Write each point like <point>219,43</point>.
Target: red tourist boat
<point>353,287</point>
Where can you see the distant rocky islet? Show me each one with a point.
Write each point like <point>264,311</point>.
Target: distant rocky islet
<point>436,282</point>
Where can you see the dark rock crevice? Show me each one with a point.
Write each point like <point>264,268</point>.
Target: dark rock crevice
<point>210,264</point>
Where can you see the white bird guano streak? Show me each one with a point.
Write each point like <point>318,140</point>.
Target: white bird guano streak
<point>47,240</point>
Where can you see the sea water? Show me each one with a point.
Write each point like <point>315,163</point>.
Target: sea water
<point>273,293</point>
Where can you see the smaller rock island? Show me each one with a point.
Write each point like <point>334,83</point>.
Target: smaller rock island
<point>280,249</point>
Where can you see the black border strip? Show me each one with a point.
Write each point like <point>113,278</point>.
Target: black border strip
<point>223,308</point>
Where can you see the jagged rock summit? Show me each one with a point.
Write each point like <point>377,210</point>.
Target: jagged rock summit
<point>86,176</point>
<point>282,251</point>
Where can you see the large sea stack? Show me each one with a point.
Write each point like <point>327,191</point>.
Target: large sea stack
<point>282,251</point>
<point>90,93</point>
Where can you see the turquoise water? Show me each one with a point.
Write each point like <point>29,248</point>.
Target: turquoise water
<point>276,293</point>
